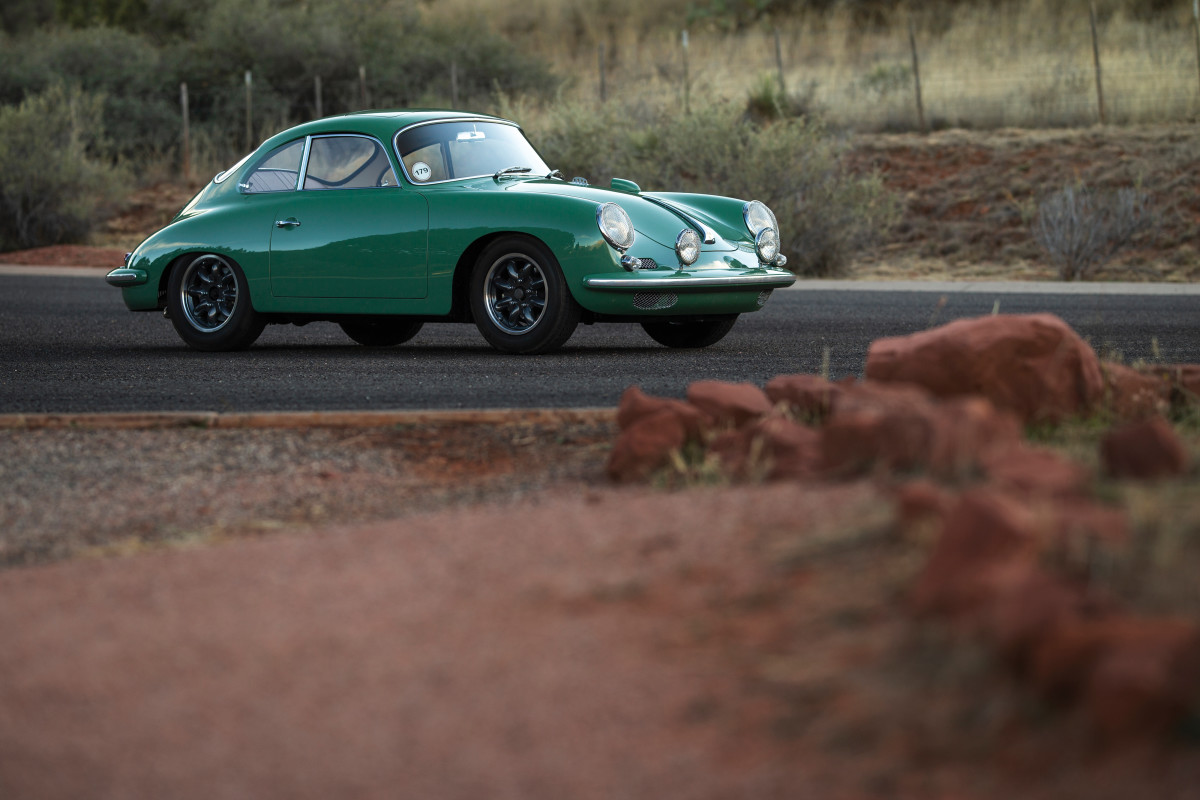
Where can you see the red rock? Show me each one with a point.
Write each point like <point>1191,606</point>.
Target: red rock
<point>1078,523</point>
<point>1184,380</point>
<point>646,446</point>
<point>1027,605</point>
<point>636,404</point>
<point>793,451</point>
<point>966,430</point>
<point>1036,471</point>
<point>1033,365</point>
<point>851,444</point>
<point>876,425</point>
<point>921,503</point>
<point>1134,395</point>
<point>1144,450</point>
<point>902,427</point>
<point>1135,675</point>
<point>729,403</point>
<point>808,396</point>
<point>774,448</point>
<point>985,534</point>
<point>1146,682</point>
<point>879,396</point>
<point>732,449</point>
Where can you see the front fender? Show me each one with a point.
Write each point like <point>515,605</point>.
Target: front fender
<point>239,231</point>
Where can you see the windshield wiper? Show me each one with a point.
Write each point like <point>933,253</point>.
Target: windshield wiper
<point>510,171</point>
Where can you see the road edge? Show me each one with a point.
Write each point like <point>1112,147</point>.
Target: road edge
<point>303,419</point>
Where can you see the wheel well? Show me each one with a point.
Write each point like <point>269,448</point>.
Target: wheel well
<point>460,307</point>
<point>165,278</point>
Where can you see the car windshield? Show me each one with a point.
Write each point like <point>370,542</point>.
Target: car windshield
<point>445,151</point>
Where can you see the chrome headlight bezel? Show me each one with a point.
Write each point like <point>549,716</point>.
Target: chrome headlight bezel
<point>766,244</point>
<point>687,246</point>
<point>615,226</point>
<point>757,216</point>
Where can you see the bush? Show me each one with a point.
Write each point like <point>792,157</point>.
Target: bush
<point>1081,228</point>
<point>54,184</point>
<point>826,214</point>
<point>140,94</point>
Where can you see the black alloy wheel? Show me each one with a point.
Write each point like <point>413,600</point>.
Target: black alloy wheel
<point>208,301</point>
<point>519,298</point>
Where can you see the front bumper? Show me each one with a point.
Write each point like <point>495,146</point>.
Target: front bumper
<point>683,280</point>
<point>124,276</point>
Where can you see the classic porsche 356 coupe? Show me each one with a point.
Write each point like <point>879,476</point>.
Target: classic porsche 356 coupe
<point>384,221</point>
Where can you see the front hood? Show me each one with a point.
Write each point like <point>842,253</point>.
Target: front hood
<point>649,219</point>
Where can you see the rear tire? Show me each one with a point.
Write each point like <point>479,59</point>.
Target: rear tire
<point>689,333</point>
<point>519,298</point>
<point>381,333</point>
<point>208,300</point>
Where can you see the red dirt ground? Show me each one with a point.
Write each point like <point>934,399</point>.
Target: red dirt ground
<point>620,643</point>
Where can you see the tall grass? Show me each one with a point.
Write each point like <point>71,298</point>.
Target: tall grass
<point>1022,63</point>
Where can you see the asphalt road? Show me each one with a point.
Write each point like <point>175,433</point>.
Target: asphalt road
<point>67,344</point>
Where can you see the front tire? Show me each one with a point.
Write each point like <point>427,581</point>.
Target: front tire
<point>519,298</point>
<point>385,333</point>
<point>689,333</point>
<point>208,300</point>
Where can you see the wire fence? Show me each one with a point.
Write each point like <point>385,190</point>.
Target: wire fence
<point>1080,74</point>
<point>907,80</point>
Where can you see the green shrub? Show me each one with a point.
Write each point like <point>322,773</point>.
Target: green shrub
<point>140,94</point>
<point>285,46</point>
<point>826,213</point>
<point>55,184</point>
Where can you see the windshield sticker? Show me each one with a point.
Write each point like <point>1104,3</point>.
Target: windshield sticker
<point>421,171</point>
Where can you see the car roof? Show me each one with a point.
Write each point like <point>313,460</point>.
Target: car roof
<point>381,124</point>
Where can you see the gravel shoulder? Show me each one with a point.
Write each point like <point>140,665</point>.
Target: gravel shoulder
<point>95,491</point>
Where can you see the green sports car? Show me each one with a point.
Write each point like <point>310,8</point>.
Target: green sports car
<point>384,221</point>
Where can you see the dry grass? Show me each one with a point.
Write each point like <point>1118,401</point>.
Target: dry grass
<point>1020,64</point>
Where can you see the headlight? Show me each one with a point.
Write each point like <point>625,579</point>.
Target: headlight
<point>758,216</point>
<point>766,243</point>
<point>616,226</point>
<point>687,246</point>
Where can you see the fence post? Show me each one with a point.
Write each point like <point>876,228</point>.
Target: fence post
<point>249,110</point>
<point>600,55</point>
<point>912,43</point>
<point>1096,59</point>
<point>687,105</point>
<point>454,84</point>
<point>362,86</point>
<point>187,138</point>
<point>779,65</point>
<point>1196,25</point>
<point>317,95</point>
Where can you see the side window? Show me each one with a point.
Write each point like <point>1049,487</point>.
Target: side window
<point>347,162</point>
<point>277,172</point>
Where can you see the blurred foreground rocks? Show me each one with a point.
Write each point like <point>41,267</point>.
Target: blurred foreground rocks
<point>1033,365</point>
<point>940,420</point>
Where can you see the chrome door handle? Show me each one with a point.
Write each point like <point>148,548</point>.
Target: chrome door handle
<point>287,223</point>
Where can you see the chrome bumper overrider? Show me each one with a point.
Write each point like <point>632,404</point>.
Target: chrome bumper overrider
<point>124,276</point>
<point>685,280</point>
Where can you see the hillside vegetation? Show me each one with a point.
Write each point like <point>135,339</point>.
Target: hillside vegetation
<point>837,68</point>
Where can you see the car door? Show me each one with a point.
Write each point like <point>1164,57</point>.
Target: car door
<point>351,231</point>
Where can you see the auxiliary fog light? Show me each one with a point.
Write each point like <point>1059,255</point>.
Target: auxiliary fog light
<point>766,243</point>
<point>687,247</point>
